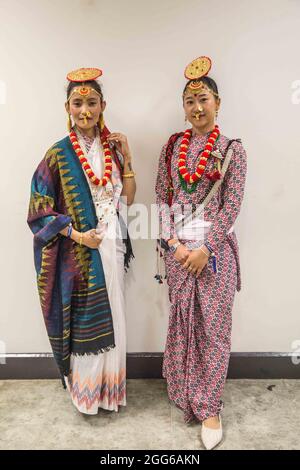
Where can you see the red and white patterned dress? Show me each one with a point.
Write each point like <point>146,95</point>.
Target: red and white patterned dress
<point>199,335</point>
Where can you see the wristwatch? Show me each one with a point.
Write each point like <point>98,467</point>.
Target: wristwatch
<point>174,247</point>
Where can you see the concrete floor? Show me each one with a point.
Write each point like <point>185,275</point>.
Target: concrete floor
<point>38,414</point>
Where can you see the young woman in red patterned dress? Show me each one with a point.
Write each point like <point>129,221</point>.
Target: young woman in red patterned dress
<point>203,271</point>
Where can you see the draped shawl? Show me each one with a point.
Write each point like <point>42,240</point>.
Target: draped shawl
<point>70,277</point>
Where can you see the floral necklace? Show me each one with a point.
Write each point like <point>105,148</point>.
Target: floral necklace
<point>85,164</point>
<point>184,176</point>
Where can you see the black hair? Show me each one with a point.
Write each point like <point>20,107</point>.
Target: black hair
<point>92,83</point>
<point>207,81</point>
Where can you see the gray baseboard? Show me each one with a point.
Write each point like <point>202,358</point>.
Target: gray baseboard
<point>242,365</point>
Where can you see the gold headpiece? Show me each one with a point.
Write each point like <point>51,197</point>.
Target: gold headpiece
<point>83,75</point>
<point>194,71</point>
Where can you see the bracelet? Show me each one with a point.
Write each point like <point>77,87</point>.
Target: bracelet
<point>80,238</point>
<point>209,247</point>
<point>174,246</point>
<point>205,252</point>
<point>70,228</point>
<point>129,175</point>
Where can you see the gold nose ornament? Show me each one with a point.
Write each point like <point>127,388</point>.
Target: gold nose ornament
<point>85,116</point>
<point>198,113</point>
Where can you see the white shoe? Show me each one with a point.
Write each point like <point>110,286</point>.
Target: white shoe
<point>211,437</point>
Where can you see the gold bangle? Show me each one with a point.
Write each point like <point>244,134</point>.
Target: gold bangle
<point>129,175</point>
<point>204,252</point>
<point>80,238</point>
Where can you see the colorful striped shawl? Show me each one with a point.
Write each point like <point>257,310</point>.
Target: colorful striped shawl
<point>70,278</point>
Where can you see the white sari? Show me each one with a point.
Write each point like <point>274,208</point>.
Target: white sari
<point>99,380</point>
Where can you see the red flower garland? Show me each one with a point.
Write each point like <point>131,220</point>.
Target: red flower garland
<point>86,166</point>
<point>203,157</point>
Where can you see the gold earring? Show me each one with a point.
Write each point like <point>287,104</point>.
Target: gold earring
<point>217,112</point>
<point>185,119</point>
<point>101,123</point>
<point>69,123</point>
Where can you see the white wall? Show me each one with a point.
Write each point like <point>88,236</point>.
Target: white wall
<point>143,48</point>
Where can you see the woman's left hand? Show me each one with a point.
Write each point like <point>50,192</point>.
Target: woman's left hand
<point>196,261</point>
<point>121,143</point>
